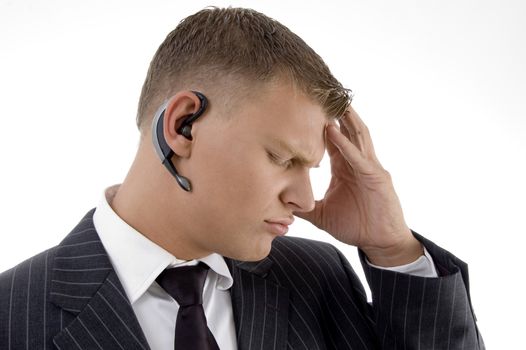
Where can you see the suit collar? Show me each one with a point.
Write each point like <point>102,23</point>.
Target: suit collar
<point>85,284</point>
<point>80,266</point>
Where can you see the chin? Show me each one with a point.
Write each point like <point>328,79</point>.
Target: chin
<point>252,253</point>
<point>257,257</point>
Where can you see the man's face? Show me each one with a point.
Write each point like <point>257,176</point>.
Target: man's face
<point>243,173</point>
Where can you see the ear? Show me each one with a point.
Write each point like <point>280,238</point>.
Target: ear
<point>181,106</point>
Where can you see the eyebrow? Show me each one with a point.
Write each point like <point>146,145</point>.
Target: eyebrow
<point>297,155</point>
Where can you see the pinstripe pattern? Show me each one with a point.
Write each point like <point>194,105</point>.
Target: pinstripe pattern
<point>438,310</point>
<point>68,297</point>
<point>327,306</point>
<point>304,295</point>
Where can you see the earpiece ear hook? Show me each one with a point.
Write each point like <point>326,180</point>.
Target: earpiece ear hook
<point>186,126</point>
<point>162,149</point>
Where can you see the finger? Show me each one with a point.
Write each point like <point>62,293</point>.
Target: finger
<point>346,148</point>
<point>345,131</point>
<point>353,137</point>
<point>310,216</point>
<point>352,120</point>
<point>353,132</point>
<point>331,148</point>
<point>335,155</point>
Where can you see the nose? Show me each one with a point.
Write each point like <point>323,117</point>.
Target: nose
<point>298,194</point>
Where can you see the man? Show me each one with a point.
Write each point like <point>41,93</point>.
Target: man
<point>234,112</point>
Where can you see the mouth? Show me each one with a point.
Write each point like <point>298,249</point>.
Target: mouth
<point>277,228</point>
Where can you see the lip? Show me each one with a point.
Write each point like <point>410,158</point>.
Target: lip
<point>286,221</point>
<point>279,226</point>
<point>276,228</point>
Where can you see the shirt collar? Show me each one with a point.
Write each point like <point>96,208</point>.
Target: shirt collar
<point>139,261</point>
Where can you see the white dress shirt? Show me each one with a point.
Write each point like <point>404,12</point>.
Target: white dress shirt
<point>138,262</point>
<point>421,267</point>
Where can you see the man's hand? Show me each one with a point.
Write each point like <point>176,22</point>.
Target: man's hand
<point>360,206</point>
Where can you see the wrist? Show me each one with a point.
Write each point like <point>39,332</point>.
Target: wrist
<point>396,255</point>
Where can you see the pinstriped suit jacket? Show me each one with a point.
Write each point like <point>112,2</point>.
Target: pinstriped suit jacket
<point>304,295</point>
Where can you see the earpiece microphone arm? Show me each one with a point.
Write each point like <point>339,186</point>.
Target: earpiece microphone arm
<point>181,180</point>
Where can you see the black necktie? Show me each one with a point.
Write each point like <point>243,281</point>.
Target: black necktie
<point>185,284</point>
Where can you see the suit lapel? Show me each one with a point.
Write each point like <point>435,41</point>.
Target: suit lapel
<point>85,285</point>
<point>261,307</point>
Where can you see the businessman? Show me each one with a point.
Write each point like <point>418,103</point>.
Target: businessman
<point>190,252</point>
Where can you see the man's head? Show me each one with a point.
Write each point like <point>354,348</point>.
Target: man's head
<point>230,53</point>
<point>270,98</point>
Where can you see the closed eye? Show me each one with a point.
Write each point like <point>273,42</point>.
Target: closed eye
<point>280,162</point>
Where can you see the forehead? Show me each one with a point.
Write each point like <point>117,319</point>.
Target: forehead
<point>283,117</point>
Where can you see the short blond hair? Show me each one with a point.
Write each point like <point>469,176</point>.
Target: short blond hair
<point>241,45</point>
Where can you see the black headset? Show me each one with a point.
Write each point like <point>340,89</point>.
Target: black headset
<point>161,147</point>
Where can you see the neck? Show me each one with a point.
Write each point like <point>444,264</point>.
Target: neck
<point>144,201</point>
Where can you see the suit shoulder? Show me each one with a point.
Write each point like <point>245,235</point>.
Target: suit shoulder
<point>33,268</point>
<point>304,264</point>
<point>24,298</point>
<point>43,259</point>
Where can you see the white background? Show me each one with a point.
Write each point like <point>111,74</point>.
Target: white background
<point>441,85</point>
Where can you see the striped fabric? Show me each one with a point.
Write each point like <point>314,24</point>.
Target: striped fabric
<point>304,295</point>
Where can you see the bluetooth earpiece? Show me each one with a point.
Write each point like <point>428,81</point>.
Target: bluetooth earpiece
<point>163,150</point>
<point>186,126</point>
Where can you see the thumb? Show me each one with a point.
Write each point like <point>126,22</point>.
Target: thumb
<point>311,216</point>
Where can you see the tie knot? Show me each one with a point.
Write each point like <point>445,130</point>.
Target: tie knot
<point>185,284</point>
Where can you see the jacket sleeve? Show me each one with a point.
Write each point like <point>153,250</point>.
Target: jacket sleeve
<point>412,312</point>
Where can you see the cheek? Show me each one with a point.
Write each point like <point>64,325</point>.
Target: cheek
<point>236,183</point>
